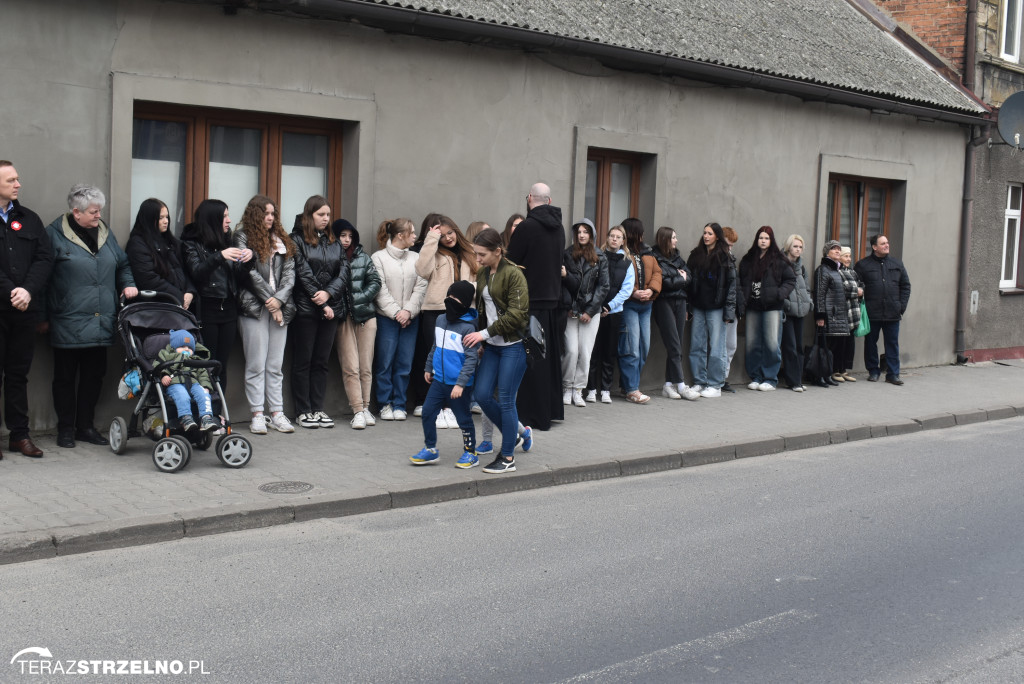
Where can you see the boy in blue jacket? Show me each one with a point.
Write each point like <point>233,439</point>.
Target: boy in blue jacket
<point>449,372</point>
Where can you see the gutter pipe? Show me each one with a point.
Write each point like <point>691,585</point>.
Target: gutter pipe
<point>967,208</point>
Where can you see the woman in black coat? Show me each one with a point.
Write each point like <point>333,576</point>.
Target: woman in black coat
<point>155,254</point>
<point>670,312</point>
<point>584,287</point>
<point>830,305</point>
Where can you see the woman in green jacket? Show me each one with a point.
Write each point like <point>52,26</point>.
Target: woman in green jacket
<point>504,303</point>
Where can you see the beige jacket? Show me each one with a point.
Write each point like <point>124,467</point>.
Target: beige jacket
<point>439,273</point>
<point>400,287</point>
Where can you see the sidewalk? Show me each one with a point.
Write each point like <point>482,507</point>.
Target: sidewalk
<point>86,499</point>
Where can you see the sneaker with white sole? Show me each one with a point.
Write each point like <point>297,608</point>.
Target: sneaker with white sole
<point>324,420</point>
<point>358,421</point>
<point>500,465</point>
<point>467,460</point>
<point>670,391</point>
<point>484,448</point>
<point>606,397</point>
<point>577,399</point>
<point>526,439</point>
<point>710,392</point>
<point>567,397</point>
<point>449,417</point>
<point>258,426</point>
<point>387,413</point>
<point>441,423</point>
<point>592,396</point>
<point>368,417</point>
<point>308,420</point>
<point>400,414</point>
<point>424,457</point>
<point>766,387</point>
<point>688,393</point>
<point>475,408</point>
<point>755,385</point>
<point>418,411</point>
<point>280,422</point>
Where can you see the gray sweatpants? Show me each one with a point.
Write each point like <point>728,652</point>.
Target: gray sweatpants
<point>263,342</point>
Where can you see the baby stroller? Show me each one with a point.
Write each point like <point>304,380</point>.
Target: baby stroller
<point>144,326</point>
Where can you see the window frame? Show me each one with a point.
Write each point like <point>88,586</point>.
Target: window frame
<point>605,158</point>
<point>1008,214</point>
<point>199,121</point>
<point>864,186</point>
<point>1006,22</point>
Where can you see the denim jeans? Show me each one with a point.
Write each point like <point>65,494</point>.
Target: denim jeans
<point>502,367</point>
<point>764,346</point>
<point>438,396</point>
<point>707,348</point>
<point>634,343</point>
<point>392,360</point>
<point>179,394</point>
<point>891,330</point>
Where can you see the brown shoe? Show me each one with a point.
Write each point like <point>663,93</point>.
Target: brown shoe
<point>26,447</point>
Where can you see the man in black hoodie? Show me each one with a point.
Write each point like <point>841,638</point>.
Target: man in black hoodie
<point>537,245</point>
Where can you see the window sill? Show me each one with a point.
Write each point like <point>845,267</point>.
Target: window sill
<point>1010,291</point>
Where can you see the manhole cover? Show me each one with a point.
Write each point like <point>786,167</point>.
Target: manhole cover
<point>285,487</point>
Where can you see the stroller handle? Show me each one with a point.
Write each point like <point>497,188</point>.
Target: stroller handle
<point>152,296</point>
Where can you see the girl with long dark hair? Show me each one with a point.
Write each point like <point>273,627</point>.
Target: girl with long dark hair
<point>584,286</point>
<point>713,304</point>
<point>670,311</point>
<point>635,341</point>
<point>155,254</point>
<point>766,279</point>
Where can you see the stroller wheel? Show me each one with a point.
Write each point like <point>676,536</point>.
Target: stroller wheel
<point>118,435</point>
<point>169,455</point>
<point>187,446</point>
<point>234,451</point>
<point>203,441</point>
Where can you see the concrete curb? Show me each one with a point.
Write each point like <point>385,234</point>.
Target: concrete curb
<point>30,546</point>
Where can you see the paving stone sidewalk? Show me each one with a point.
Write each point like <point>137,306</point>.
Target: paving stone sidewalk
<point>88,498</point>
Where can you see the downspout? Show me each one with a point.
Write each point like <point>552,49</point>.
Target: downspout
<point>967,209</point>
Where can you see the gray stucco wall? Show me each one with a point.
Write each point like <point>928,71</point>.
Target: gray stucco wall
<point>465,130</point>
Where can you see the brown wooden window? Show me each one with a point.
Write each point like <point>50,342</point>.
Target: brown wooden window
<point>857,209</point>
<point>613,188</point>
<point>182,155</point>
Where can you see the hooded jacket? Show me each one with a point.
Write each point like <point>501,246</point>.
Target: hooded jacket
<point>798,303</point>
<point>322,266</point>
<point>537,245</point>
<point>363,279</point>
<point>585,285</point>
<point>830,303</point>
<point>26,258</point>
<point>179,372</point>
<point>448,360</point>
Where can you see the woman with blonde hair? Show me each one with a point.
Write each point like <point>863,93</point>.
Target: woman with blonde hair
<point>796,306</point>
<point>266,308</point>
<point>621,277</point>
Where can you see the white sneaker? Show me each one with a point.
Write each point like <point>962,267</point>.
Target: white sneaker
<point>710,392</point>
<point>400,414</point>
<point>766,387</point>
<point>449,417</point>
<point>669,391</point>
<point>325,420</point>
<point>418,411</point>
<point>688,393</point>
<point>258,426</point>
<point>368,417</point>
<point>358,421</point>
<point>387,413</point>
<point>308,420</point>
<point>567,397</point>
<point>606,397</point>
<point>754,385</point>
<point>577,399</point>
<point>592,396</point>
<point>279,422</point>
<point>441,423</point>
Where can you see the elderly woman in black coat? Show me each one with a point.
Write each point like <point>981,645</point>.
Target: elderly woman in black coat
<point>830,305</point>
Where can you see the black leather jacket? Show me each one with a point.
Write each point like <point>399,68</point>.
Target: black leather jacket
<point>212,276</point>
<point>322,266</point>
<point>585,285</point>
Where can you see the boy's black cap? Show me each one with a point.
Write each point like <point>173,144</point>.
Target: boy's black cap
<point>463,291</point>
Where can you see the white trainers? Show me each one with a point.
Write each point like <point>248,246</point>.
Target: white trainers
<point>258,426</point>
<point>754,385</point>
<point>766,387</point>
<point>592,396</point>
<point>710,392</point>
<point>387,413</point>
<point>358,421</point>
<point>279,422</point>
<point>418,411</point>
<point>441,423</point>
<point>606,397</point>
<point>577,399</point>
<point>308,420</point>
<point>688,393</point>
<point>400,414</point>
<point>324,420</point>
<point>567,397</point>
<point>368,417</point>
<point>449,417</point>
<point>670,391</point>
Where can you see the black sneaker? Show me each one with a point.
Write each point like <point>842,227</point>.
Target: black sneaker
<point>500,465</point>
<point>188,424</point>
<point>208,423</point>
<point>728,388</point>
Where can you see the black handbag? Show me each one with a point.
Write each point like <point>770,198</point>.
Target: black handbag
<point>818,359</point>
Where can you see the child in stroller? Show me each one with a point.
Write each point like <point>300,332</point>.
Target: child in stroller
<point>183,381</point>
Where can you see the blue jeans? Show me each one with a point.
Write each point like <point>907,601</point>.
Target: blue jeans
<point>764,346</point>
<point>708,360</point>
<point>392,359</point>
<point>501,367</point>
<point>634,343</point>
<point>891,330</point>
<point>438,395</point>
<point>180,396</point>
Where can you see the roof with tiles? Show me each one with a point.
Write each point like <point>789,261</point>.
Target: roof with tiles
<point>827,42</point>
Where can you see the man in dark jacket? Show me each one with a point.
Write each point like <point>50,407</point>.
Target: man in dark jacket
<point>26,259</point>
<point>886,294</point>
<point>537,245</point>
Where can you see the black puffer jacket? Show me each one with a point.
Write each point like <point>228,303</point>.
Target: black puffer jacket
<point>715,286</point>
<point>144,267</point>
<point>322,266</point>
<point>886,287</point>
<point>830,298</point>
<point>585,285</point>
<point>210,273</point>
<point>777,282</point>
<point>673,285</point>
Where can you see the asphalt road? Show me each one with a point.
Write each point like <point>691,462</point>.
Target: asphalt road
<point>895,560</point>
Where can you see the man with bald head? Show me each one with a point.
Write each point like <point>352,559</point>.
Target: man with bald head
<point>537,245</point>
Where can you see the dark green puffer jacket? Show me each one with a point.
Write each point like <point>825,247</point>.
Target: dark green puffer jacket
<point>364,284</point>
<point>82,295</point>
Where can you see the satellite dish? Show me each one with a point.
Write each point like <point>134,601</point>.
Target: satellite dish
<point>1011,120</point>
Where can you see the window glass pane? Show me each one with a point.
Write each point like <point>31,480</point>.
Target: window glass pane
<point>830,210</point>
<point>234,167</point>
<point>590,196</point>
<point>303,173</point>
<point>1010,30</point>
<point>622,184</point>
<point>1010,252</point>
<point>1014,200</point>
<point>158,166</point>
<point>876,211</point>
<point>847,214</point>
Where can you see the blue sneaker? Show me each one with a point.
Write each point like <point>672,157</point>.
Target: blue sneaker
<point>424,457</point>
<point>485,448</point>
<point>468,460</point>
<point>527,438</point>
